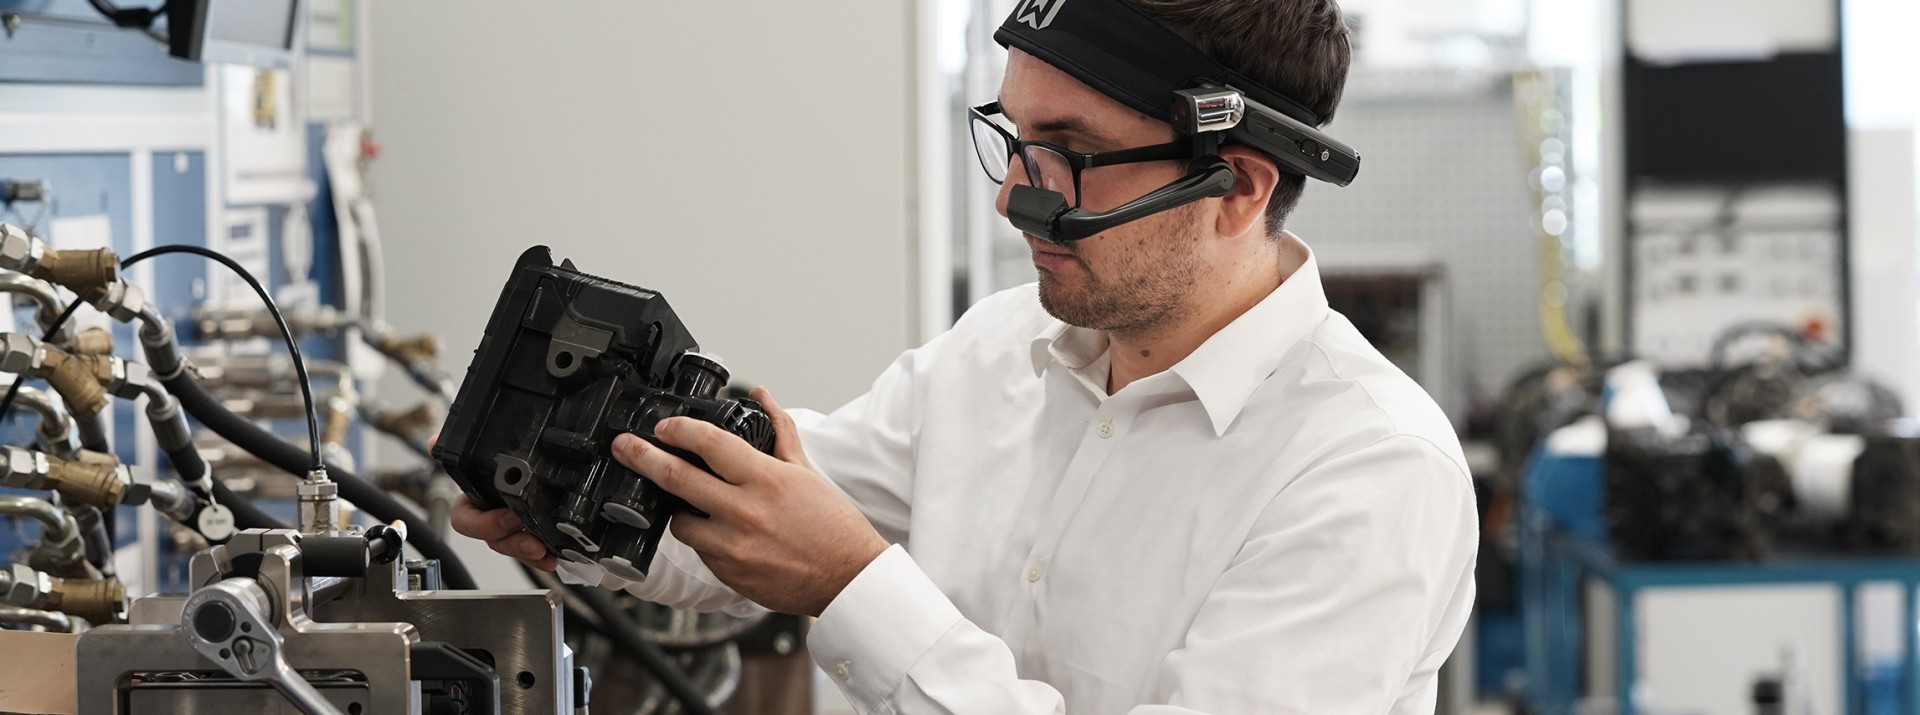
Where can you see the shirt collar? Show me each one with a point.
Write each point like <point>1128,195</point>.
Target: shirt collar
<point>1226,369</point>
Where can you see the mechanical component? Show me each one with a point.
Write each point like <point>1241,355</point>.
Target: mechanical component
<point>95,479</point>
<point>227,623</point>
<point>92,341</point>
<point>28,356</point>
<point>62,545</point>
<point>1690,496</point>
<point>86,272</point>
<point>97,600</point>
<point>569,361</point>
<point>47,304</point>
<point>417,354</point>
<point>56,431</point>
<point>367,644</point>
<point>56,622</point>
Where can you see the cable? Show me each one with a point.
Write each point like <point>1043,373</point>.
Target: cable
<point>244,434</point>
<point>293,346</point>
<point>140,17</point>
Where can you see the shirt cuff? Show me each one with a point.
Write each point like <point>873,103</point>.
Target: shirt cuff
<point>879,626</point>
<point>580,574</point>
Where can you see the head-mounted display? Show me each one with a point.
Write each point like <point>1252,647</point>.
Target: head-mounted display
<point>1110,46</point>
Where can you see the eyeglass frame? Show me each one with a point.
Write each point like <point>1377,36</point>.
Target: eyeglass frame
<point>1078,162</point>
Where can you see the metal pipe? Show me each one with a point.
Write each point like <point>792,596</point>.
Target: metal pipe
<point>59,533</point>
<point>56,426</point>
<point>47,303</point>
<point>322,589</point>
<point>58,622</point>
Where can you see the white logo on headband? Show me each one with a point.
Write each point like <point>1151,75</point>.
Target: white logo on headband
<point>1038,14</point>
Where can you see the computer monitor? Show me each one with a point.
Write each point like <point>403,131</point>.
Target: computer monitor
<point>261,33</point>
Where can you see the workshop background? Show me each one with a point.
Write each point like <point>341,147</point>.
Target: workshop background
<point>1659,260</point>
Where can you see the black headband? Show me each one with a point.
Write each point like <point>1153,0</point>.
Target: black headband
<point>1113,48</point>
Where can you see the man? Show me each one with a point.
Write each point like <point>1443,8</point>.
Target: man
<point>1164,479</point>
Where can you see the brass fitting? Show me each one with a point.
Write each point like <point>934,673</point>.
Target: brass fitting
<point>339,419</point>
<point>422,417</point>
<point>85,272</point>
<point>74,380</point>
<point>405,350</point>
<point>93,341</point>
<point>96,479</point>
<point>97,600</point>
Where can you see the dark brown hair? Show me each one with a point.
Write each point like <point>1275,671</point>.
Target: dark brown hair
<point>1298,48</point>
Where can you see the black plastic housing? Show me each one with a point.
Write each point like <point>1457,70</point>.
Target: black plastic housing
<point>568,362</point>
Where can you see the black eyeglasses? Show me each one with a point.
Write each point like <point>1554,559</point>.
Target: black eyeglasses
<point>1050,166</point>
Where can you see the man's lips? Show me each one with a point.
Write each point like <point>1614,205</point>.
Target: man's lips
<point>1049,256</point>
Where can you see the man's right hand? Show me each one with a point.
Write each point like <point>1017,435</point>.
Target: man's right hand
<point>503,532</point>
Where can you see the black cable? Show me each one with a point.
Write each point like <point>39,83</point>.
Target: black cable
<point>6,403</point>
<point>140,17</point>
<point>243,433</point>
<point>620,628</point>
<point>293,346</point>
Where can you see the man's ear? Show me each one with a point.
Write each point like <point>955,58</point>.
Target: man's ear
<point>1255,174</point>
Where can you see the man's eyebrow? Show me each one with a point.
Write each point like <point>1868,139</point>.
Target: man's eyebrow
<point>1069,125</point>
<point>1066,125</point>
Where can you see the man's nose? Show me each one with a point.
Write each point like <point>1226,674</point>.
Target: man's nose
<point>1016,172</point>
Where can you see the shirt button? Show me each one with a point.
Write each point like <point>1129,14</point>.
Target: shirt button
<point>1106,429</point>
<point>840,669</point>
<point>1033,574</point>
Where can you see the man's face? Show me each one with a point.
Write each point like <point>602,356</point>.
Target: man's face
<point>1133,278</point>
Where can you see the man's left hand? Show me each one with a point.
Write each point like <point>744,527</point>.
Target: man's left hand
<point>777,532</point>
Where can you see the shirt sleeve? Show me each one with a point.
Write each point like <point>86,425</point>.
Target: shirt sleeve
<point>1346,597</point>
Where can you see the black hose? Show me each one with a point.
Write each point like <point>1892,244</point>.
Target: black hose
<point>93,433</point>
<point>245,514</point>
<point>286,333</point>
<point>93,534</point>
<point>620,628</point>
<point>293,460</point>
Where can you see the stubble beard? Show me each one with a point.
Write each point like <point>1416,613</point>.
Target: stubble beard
<point>1143,290</point>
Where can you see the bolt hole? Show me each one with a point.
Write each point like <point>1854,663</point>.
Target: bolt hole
<point>246,627</point>
<point>563,361</point>
<point>225,654</point>
<point>526,680</point>
<point>514,475</point>
<point>353,709</point>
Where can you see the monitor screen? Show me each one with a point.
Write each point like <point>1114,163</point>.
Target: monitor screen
<point>265,23</point>
<point>261,33</point>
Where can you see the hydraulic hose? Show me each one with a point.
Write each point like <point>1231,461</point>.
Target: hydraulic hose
<point>246,515</point>
<point>93,531</point>
<point>293,460</point>
<point>620,628</point>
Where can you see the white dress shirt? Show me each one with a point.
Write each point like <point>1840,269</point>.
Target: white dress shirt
<point>1280,523</point>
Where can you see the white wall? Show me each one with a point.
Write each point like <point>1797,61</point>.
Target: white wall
<point>750,163</point>
<point>749,160</point>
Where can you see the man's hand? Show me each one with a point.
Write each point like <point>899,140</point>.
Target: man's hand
<point>777,533</point>
<point>503,532</point>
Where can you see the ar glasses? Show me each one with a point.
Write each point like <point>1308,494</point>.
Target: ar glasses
<point>1050,166</point>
